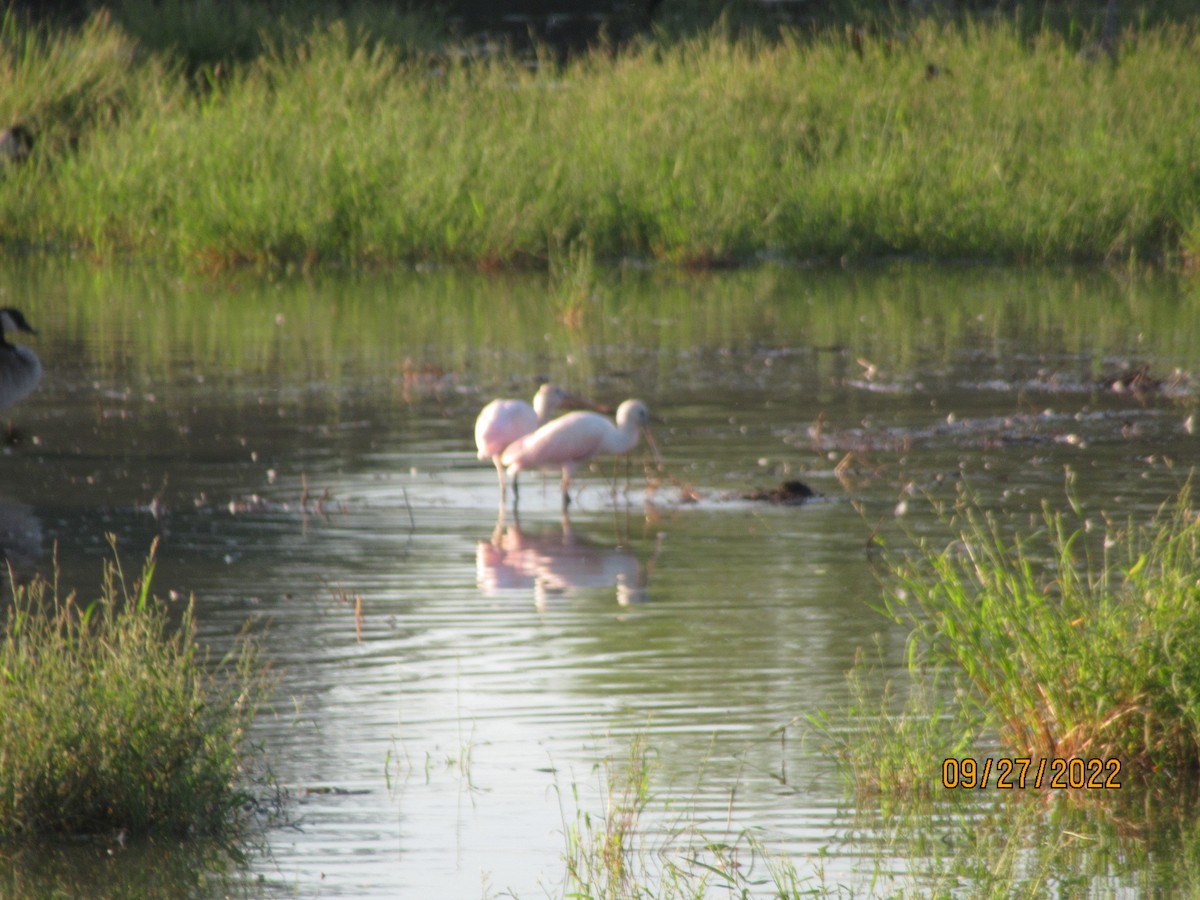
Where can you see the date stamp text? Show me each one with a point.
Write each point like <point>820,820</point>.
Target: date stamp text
<point>1022,772</point>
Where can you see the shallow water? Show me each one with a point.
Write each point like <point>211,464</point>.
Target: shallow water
<point>451,690</point>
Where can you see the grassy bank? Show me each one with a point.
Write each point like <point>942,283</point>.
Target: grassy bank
<point>964,140</point>
<point>114,720</point>
<point>1072,638</point>
<point>1069,638</point>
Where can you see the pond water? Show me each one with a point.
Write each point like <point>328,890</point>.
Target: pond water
<point>453,691</point>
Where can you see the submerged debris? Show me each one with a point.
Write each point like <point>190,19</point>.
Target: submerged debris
<point>1133,381</point>
<point>788,493</point>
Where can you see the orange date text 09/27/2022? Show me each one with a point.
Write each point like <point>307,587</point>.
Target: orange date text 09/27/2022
<point>1015,773</point>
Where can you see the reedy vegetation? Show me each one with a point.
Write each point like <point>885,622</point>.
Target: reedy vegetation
<point>1076,639</point>
<point>1072,637</point>
<point>616,854</point>
<point>114,719</point>
<point>331,146</point>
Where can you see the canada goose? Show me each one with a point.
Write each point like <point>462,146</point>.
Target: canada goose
<point>20,369</point>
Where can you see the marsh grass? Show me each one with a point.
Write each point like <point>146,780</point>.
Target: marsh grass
<point>635,847</point>
<point>334,147</point>
<point>1141,839</point>
<point>600,858</point>
<point>920,844</point>
<point>114,718</point>
<point>893,747</point>
<point>1079,638</point>
<point>574,281</point>
<point>71,84</point>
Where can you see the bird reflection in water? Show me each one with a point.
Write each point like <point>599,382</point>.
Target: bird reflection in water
<point>557,562</point>
<point>20,536</point>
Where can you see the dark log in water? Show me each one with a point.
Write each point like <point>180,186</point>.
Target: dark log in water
<point>788,493</point>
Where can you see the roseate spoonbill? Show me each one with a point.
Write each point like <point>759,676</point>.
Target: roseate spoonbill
<point>503,421</point>
<point>20,369</point>
<point>576,438</point>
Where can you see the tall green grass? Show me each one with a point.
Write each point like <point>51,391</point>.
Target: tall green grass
<point>1079,638</point>
<point>967,140</point>
<point>114,719</point>
<point>68,86</point>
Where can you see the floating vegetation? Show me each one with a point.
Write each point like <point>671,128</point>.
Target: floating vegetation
<point>787,493</point>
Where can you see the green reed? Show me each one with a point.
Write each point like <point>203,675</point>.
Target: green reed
<point>965,140</point>
<point>1076,639</point>
<point>892,746</point>
<point>114,718</point>
<point>631,849</point>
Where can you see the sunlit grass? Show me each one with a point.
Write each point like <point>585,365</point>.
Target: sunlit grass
<point>1077,638</point>
<point>1069,636</point>
<point>114,718</point>
<point>335,146</point>
<point>68,87</point>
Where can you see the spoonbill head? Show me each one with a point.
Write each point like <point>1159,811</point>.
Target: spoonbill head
<point>575,438</point>
<point>503,421</point>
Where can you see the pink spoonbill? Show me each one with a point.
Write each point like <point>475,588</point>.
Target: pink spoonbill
<point>503,421</point>
<point>576,438</point>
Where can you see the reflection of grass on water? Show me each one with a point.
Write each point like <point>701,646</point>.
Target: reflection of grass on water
<point>114,719</point>
<point>104,867</point>
<point>960,843</point>
<point>1034,844</point>
<point>888,747</point>
<point>573,282</point>
<point>437,331</point>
